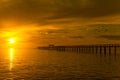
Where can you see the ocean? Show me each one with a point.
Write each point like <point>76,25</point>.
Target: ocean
<point>36,64</point>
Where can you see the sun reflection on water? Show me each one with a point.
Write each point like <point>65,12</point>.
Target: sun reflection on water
<point>11,59</point>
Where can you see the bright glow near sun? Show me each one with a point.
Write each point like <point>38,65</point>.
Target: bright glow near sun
<point>11,40</point>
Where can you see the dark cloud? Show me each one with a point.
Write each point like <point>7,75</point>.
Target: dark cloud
<point>76,37</point>
<point>103,29</point>
<point>110,37</point>
<point>53,32</point>
<point>43,11</point>
<point>90,9</point>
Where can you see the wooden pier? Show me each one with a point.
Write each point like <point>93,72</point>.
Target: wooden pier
<point>99,48</point>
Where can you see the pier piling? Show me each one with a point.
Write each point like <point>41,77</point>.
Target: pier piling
<point>98,49</point>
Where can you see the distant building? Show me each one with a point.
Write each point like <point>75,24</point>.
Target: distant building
<point>51,46</point>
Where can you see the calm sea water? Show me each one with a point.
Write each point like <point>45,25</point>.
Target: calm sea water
<point>34,64</point>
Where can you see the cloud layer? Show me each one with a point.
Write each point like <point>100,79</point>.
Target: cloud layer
<point>67,21</point>
<point>52,11</point>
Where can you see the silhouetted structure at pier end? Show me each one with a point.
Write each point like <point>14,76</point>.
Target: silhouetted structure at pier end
<point>98,48</point>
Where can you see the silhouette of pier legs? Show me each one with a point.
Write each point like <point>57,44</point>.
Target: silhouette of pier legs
<point>110,50</point>
<point>90,49</point>
<point>98,49</point>
<point>115,50</point>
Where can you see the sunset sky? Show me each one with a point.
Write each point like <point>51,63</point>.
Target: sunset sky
<point>35,23</point>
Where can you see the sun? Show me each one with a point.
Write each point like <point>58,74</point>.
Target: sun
<point>11,40</point>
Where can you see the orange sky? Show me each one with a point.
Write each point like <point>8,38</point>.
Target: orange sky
<point>63,22</point>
